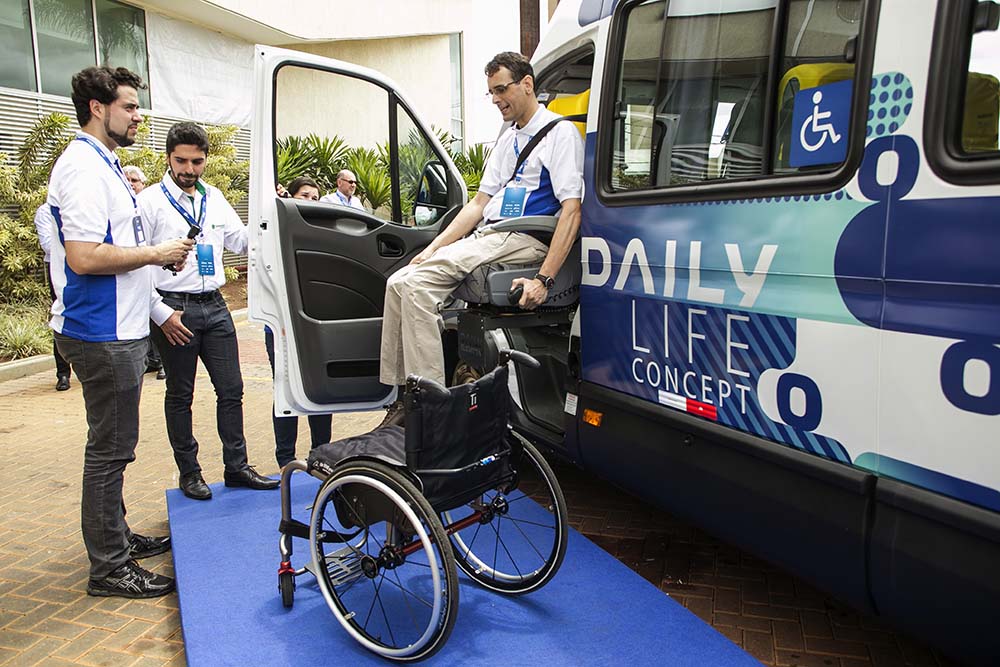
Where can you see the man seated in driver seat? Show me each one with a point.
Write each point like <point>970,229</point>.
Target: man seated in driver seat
<point>549,182</point>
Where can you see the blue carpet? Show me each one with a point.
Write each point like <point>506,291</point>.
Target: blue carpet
<point>594,612</point>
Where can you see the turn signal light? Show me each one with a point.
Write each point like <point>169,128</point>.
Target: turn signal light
<point>592,417</point>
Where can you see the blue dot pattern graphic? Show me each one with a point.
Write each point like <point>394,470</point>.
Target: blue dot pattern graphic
<point>889,103</point>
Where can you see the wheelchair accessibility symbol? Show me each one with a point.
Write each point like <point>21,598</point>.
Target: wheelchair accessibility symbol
<point>812,127</point>
<point>821,117</point>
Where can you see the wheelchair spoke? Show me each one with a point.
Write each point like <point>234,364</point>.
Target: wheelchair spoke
<point>526,538</point>
<point>399,584</point>
<point>501,543</point>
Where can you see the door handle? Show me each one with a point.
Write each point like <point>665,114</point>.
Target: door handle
<point>390,246</point>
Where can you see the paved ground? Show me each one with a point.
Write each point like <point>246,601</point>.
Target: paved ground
<point>46,617</point>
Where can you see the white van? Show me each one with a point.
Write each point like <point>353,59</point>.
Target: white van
<point>788,325</point>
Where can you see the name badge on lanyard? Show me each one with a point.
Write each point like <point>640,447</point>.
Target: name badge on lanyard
<point>140,231</point>
<point>206,260</point>
<point>514,195</point>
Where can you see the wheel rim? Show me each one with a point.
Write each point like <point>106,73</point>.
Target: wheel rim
<point>364,592</point>
<point>519,550</point>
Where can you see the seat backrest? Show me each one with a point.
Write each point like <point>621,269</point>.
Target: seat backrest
<point>572,105</point>
<point>450,429</point>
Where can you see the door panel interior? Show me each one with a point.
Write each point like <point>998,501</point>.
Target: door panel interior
<point>336,261</point>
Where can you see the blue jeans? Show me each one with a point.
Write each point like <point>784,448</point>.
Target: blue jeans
<point>214,342</point>
<point>286,429</point>
<point>111,377</point>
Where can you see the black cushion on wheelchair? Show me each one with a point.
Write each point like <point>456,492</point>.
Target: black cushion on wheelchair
<point>491,283</point>
<point>385,444</point>
<point>454,444</point>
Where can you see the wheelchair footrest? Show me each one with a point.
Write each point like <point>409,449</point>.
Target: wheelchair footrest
<point>344,566</point>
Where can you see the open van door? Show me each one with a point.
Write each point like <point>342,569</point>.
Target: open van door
<point>317,270</point>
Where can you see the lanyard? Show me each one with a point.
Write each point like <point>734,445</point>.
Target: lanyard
<point>114,166</point>
<point>517,154</point>
<point>345,202</point>
<point>199,223</point>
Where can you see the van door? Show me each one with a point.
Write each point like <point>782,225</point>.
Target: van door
<point>317,269</point>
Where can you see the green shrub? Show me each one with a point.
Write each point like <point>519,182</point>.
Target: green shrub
<point>23,330</point>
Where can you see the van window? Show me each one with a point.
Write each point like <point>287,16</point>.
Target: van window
<point>732,89</point>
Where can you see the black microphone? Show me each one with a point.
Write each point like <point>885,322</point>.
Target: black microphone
<point>193,231</point>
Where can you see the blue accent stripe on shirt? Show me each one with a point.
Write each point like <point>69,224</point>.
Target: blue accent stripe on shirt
<point>542,200</point>
<point>90,303</point>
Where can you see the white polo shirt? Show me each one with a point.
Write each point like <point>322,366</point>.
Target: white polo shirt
<point>552,173</point>
<point>337,197</point>
<point>221,228</point>
<point>91,201</point>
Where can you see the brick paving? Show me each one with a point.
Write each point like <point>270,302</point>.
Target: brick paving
<point>46,618</point>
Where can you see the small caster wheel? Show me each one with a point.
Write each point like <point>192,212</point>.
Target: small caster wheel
<point>286,584</point>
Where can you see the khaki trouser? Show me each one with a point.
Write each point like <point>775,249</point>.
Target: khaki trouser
<point>411,322</point>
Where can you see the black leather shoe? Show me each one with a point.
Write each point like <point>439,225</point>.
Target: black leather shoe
<point>193,485</point>
<point>141,546</point>
<point>62,383</point>
<point>161,374</point>
<point>250,478</point>
<point>395,415</point>
<point>131,581</point>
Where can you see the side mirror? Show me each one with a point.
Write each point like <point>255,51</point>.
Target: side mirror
<point>431,198</point>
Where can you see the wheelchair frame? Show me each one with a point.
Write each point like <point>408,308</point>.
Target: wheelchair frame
<point>369,492</point>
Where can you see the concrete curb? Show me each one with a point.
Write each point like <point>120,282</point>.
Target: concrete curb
<point>19,368</point>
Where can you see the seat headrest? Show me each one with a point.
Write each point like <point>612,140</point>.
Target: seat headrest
<point>572,105</point>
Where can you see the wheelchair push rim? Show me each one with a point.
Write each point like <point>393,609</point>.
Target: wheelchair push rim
<point>518,544</point>
<point>391,584</point>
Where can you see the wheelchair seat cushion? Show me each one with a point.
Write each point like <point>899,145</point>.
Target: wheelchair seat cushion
<point>385,444</point>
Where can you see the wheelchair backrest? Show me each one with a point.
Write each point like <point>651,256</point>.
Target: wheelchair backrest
<point>456,438</point>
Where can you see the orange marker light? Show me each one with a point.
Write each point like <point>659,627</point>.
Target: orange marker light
<point>592,417</point>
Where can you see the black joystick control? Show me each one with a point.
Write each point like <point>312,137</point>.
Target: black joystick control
<point>514,296</point>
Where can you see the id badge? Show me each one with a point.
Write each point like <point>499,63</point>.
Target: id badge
<point>139,230</point>
<point>513,202</point>
<point>206,260</point>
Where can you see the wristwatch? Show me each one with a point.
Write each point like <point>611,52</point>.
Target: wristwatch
<point>545,280</point>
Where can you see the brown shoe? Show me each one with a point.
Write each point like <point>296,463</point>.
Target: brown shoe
<point>394,415</point>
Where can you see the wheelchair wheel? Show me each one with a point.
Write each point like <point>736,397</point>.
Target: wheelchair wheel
<point>383,561</point>
<point>523,540</point>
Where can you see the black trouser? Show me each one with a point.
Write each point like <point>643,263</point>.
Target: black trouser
<point>111,376</point>
<point>214,342</point>
<point>62,366</point>
<point>286,429</point>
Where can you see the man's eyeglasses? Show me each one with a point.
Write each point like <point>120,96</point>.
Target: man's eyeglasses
<point>502,88</point>
<point>347,181</point>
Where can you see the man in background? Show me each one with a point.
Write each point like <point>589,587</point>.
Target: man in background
<point>137,179</point>
<point>45,226</point>
<point>347,183</point>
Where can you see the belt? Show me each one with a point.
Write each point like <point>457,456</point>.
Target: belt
<point>196,297</point>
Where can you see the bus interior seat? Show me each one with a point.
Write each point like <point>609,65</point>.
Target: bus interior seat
<point>982,113</point>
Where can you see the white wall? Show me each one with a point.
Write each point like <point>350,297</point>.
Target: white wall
<point>212,83</point>
<point>487,27</point>
<point>357,111</point>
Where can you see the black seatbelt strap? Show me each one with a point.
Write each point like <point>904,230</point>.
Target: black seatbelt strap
<point>578,118</point>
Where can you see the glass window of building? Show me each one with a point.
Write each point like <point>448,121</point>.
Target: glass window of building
<point>17,64</point>
<point>65,32</point>
<point>121,38</point>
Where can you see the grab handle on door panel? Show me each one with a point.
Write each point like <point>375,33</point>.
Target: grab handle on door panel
<point>390,246</point>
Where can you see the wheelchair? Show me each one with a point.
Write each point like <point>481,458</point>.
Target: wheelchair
<point>399,511</point>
